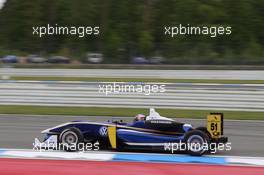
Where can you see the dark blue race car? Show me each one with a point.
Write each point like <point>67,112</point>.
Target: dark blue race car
<point>150,133</point>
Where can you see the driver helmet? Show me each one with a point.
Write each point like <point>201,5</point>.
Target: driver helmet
<point>140,117</point>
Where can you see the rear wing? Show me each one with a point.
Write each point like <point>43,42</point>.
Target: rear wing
<point>215,124</point>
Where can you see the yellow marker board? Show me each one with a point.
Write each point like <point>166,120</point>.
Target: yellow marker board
<point>215,125</point>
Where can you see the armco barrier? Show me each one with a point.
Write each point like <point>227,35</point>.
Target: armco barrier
<point>230,97</point>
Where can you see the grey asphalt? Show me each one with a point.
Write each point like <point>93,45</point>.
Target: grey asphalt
<point>19,131</point>
<point>130,73</point>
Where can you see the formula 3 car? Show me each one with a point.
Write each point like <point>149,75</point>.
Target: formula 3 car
<point>153,132</point>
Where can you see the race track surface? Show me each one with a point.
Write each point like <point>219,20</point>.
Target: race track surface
<point>19,131</point>
<point>130,73</point>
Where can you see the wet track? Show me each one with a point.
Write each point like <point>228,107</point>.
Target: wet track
<point>19,131</point>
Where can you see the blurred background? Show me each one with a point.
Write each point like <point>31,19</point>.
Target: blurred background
<point>133,31</point>
<point>131,36</point>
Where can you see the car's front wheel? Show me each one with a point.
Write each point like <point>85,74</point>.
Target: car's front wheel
<point>70,139</point>
<point>197,142</point>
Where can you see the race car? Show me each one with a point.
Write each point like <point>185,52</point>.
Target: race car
<point>150,133</point>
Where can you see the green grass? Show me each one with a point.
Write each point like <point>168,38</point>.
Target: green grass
<point>138,80</point>
<point>96,111</point>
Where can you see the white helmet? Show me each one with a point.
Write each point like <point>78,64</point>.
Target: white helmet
<point>139,117</point>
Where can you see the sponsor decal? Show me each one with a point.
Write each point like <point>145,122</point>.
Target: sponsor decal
<point>103,131</point>
<point>161,121</point>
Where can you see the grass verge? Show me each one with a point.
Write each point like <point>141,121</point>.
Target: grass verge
<point>137,80</point>
<point>97,111</point>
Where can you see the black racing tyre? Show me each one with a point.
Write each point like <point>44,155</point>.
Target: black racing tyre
<point>204,129</point>
<point>70,140</point>
<point>196,141</point>
<point>212,146</point>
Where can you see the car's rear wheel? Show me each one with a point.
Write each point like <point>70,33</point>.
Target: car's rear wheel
<point>196,142</point>
<point>70,140</point>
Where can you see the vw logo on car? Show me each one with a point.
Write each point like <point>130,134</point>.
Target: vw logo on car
<point>103,131</point>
